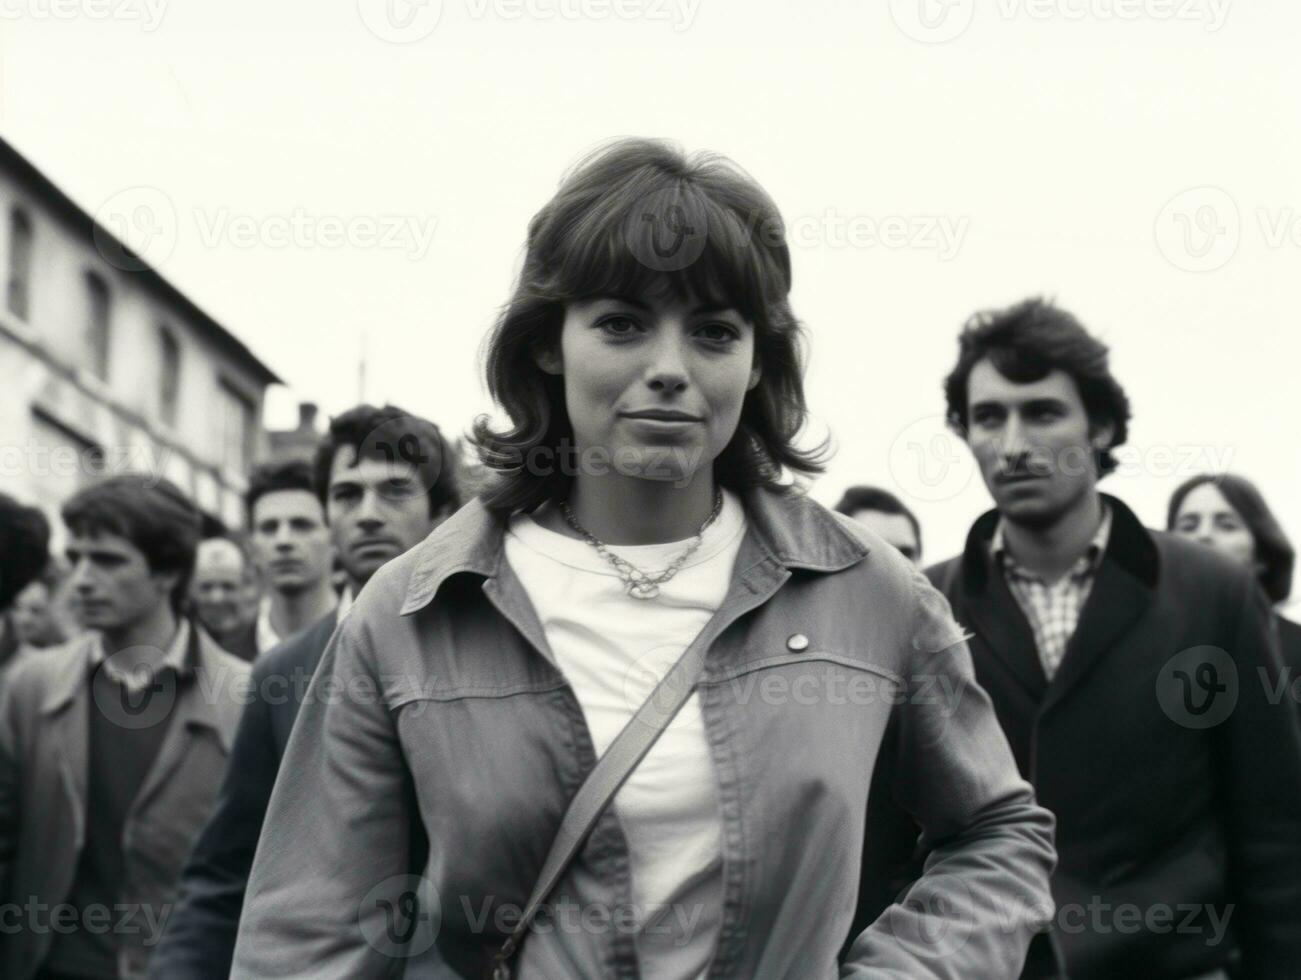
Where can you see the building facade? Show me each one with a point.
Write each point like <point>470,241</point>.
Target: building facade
<point>106,367</point>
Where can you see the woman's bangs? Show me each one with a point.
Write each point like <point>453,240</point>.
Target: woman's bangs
<point>675,240</point>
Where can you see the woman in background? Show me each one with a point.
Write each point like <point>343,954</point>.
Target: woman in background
<point>1228,513</point>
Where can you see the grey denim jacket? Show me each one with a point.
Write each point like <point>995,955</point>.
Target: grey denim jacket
<point>438,701</point>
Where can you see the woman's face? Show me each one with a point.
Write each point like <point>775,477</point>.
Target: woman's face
<point>1205,516</point>
<point>653,386</point>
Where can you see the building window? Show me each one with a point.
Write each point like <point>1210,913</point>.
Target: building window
<point>74,462</point>
<point>169,380</point>
<point>97,325</point>
<point>18,293</point>
<point>236,429</point>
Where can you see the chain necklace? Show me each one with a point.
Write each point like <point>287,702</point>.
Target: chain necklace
<point>639,584</point>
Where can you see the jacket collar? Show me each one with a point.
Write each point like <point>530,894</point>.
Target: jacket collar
<point>789,527</point>
<point>201,654</point>
<point>1129,545</point>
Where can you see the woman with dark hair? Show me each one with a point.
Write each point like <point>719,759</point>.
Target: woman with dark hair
<point>24,551</point>
<point>1228,513</point>
<point>612,686</point>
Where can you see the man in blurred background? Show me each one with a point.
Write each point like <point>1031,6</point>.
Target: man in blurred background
<point>1131,672</point>
<point>291,546</point>
<point>881,511</point>
<point>386,479</point>
<point>226,596</point>
<point>112,746</point>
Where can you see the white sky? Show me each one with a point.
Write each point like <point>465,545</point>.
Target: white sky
<point>1048,137</point>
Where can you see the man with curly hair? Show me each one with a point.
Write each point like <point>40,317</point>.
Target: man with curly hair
<point>1131,671</point>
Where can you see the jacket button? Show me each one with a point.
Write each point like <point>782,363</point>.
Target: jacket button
<point>797,642</point>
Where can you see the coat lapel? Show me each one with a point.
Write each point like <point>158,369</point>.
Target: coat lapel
<point>991,611</point>
<point>1123,589</point>
<point>1121,592</point>
<point>196,708</point>
<point>67,709</point>
<point>69,729</point>
<point>1115,602</point>
<point>998,621</point>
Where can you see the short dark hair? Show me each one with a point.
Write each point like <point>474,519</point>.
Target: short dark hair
<point>1025,343</point>
<point>151,513</point>
<point>1273,550</point>
<point>24,547</point>
<point>864,497</point>
<point>595,238</point>
<point>390,433</point>
<point>277,475</point>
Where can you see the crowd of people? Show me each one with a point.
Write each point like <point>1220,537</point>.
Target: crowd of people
<point>634,704</point>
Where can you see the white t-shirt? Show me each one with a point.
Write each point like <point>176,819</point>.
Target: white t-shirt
<point>613,649</point>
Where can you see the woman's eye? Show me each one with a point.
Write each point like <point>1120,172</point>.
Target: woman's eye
<point>619,326</point>
<point>718,332</point>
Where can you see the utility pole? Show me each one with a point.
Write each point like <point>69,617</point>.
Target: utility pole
<point>361,370</point>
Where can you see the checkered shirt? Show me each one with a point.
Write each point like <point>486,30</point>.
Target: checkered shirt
<point>1053,609</point>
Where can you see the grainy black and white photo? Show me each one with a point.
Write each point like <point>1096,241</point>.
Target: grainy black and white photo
<point>650,490</point>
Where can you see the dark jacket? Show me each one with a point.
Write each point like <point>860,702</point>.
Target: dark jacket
<point>1167,800</point>
<point>1289,640</point>
<point>244,643</point>
<point>8,639</point>
<point>450,683</point>
<point>44,750</point>
<point>200,936</point>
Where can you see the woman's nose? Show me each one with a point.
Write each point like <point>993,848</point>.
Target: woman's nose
<point>667,371</point>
